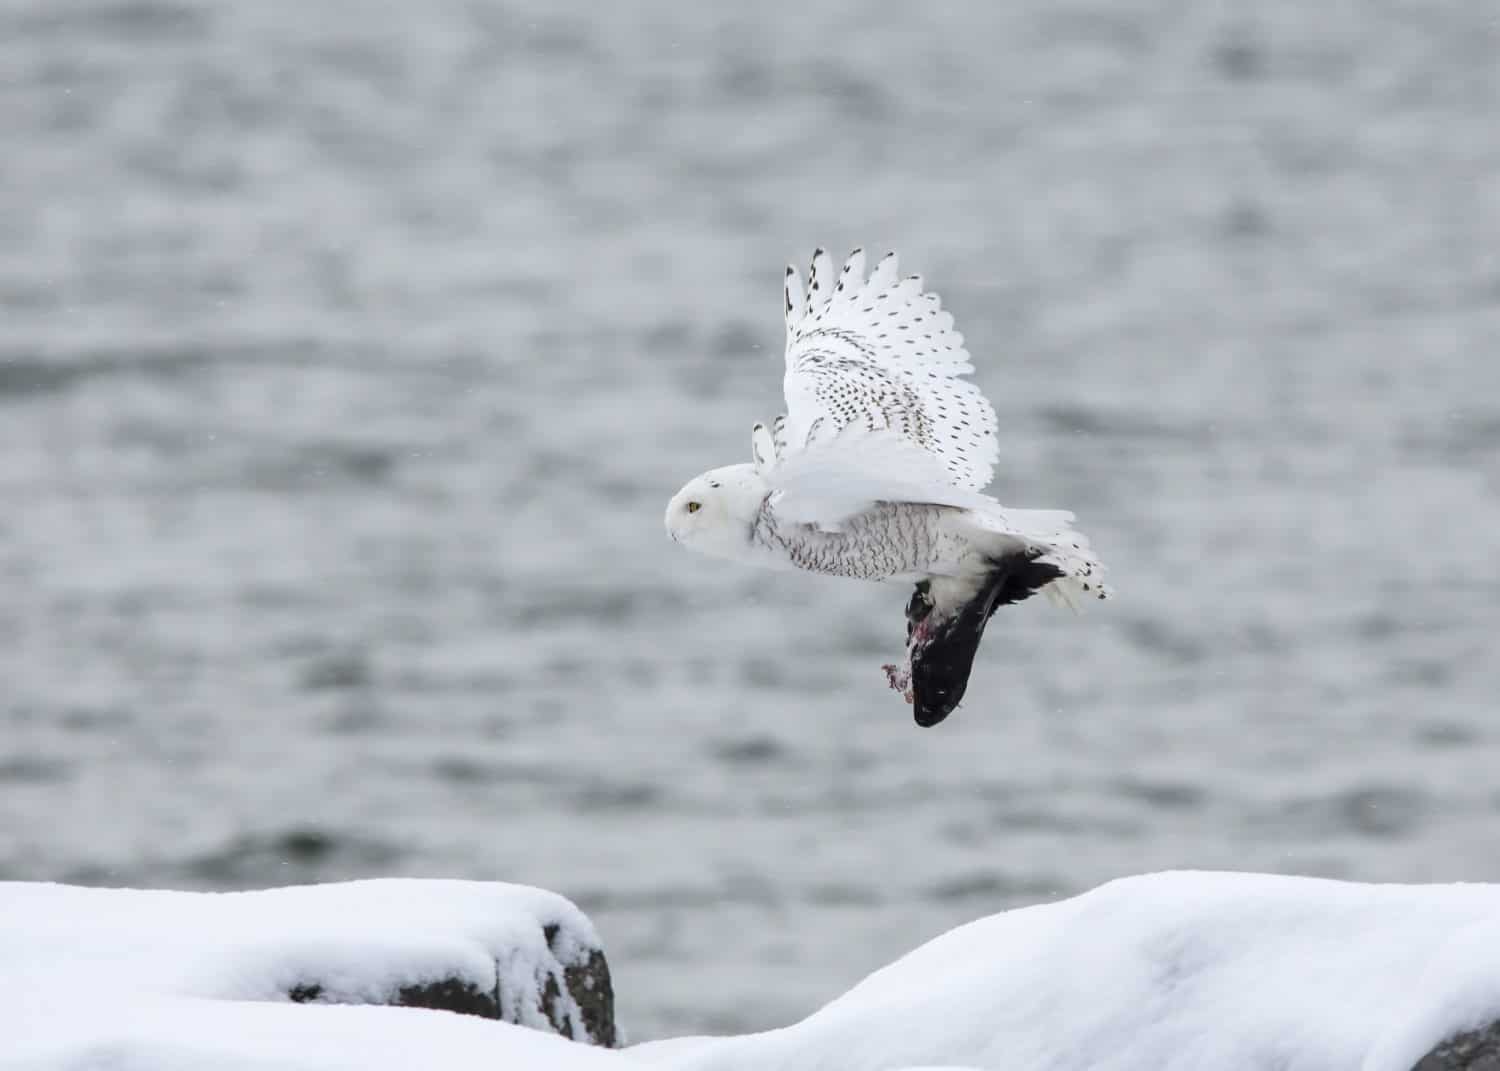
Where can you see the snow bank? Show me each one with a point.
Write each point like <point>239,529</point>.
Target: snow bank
<point>1169,971</point>
<point>503,951</point>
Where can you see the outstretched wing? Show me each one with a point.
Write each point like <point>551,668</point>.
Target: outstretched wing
<point>876,408</point>
<point>883,352</point>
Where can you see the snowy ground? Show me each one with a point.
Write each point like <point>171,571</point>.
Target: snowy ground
<point>168,1034</point>
<point>1178,970</point>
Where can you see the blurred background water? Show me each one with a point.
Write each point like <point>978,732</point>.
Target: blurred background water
<point>349,353</point>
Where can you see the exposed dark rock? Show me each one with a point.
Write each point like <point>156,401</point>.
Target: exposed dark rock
<point>1473,1050</point>
<point>450,994</point>
<point>592,990</point>
<point>585,976</point>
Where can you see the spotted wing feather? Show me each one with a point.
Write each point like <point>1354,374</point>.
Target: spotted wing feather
<point>880,353</point>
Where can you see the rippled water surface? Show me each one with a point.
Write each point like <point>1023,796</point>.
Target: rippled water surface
<point>349,353</point>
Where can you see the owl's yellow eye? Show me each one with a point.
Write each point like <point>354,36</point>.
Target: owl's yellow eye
<point>694,507</point>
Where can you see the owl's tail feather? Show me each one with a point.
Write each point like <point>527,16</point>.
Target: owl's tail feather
<point>1051,533</point>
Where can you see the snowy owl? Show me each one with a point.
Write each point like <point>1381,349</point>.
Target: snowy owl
<point>876,472</point>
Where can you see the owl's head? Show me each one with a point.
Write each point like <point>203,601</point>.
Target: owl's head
<point>712,514</point>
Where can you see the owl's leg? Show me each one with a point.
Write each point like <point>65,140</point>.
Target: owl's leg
<point>919,607</point>
<point>918,615</point>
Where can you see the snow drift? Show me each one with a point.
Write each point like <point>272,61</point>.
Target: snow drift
<point>1170,971</point>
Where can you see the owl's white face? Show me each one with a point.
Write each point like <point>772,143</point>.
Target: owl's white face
<point>712,514</point>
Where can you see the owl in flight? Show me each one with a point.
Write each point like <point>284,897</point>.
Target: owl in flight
<point>876,472</point>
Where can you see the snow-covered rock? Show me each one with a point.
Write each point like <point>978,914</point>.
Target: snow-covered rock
<point>507,952</point>
<point>1187,971</point>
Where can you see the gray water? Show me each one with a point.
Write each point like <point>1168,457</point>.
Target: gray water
<point>349,353</point>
